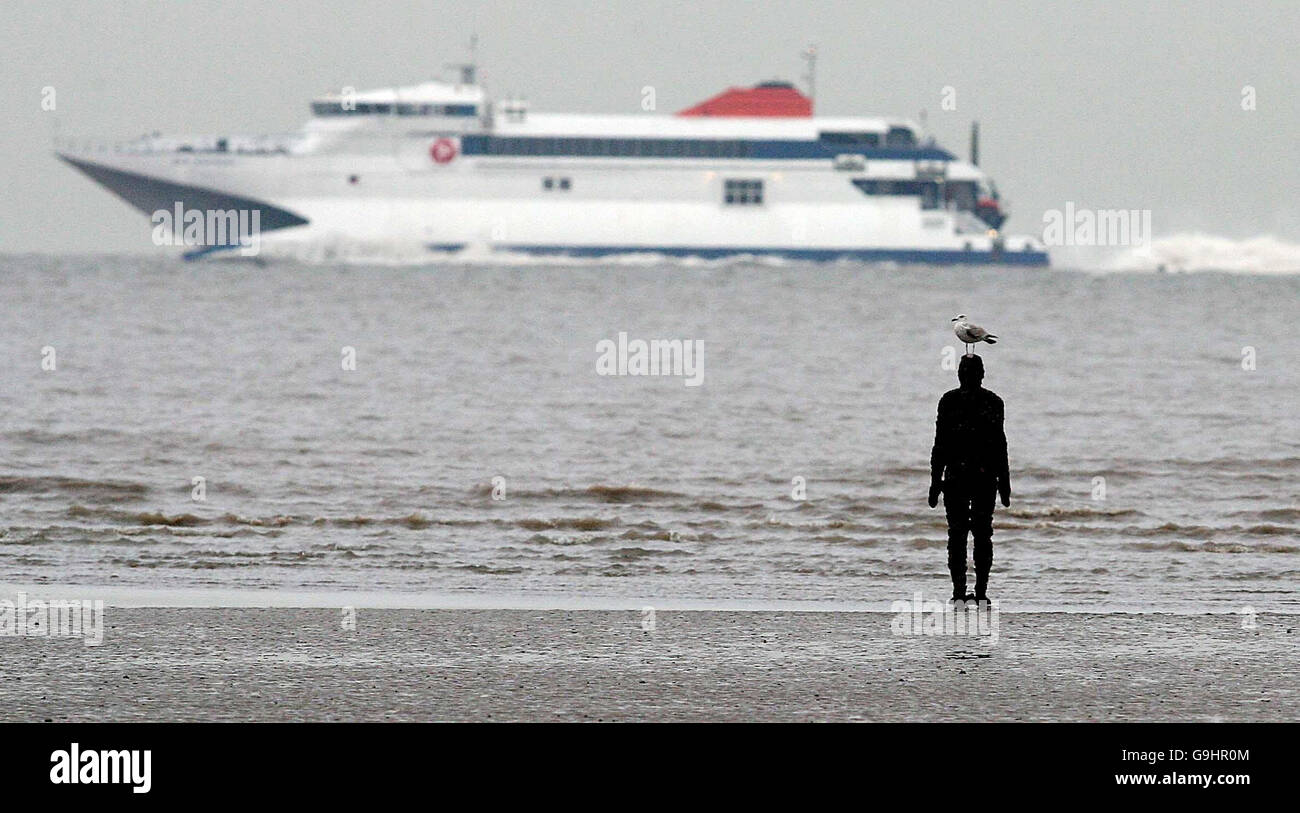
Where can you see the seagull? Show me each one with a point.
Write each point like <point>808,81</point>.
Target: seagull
<point>971,334</point>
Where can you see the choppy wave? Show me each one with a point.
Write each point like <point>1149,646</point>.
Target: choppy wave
<point>594,493</point>
<point>1210,532</point>
<point>182,520</point>
<point>1076,512</point>
<point>1211,547</point>
<point>414,521</point>
<point>1264,467</point>
<point>90,489</point>
<point>1274,514</point>
<point>675,512</point>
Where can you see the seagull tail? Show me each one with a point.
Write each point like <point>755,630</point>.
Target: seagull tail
<point>991,339</point>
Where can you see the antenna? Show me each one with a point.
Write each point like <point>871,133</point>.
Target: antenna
<point>810,76</point>
<point>468,70</point>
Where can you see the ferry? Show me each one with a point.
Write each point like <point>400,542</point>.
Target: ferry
<point>444,167</point>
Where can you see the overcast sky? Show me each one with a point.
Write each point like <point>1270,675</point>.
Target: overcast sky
<point>1139,108</point>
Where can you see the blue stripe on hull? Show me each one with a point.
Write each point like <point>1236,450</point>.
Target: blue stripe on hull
<point>900,255</point>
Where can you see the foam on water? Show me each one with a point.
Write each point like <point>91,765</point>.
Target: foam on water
<point>1182,252</point>
<point>397,254</point>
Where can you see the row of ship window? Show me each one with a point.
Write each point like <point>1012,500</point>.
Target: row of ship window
<point>616,147</point>
<point>899,138</point>
<point>388,109</point>
<point>749,192</point>
<point>736,192</point>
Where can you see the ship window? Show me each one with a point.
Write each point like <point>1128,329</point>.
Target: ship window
<point>565,184</point>
<point>840,139</point>
<point>743,192</point>
<point>960,195</point>
<point>929,196</point>
<point>927,190</point>
<point>900,137</point>
<point>408,109</point>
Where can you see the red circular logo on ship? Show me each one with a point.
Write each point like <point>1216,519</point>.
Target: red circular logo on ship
<point>443,150</point>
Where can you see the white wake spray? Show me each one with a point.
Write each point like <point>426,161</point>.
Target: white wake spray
<point>1206,252</point>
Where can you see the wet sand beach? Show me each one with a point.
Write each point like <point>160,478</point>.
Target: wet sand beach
<point>282,664</point>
